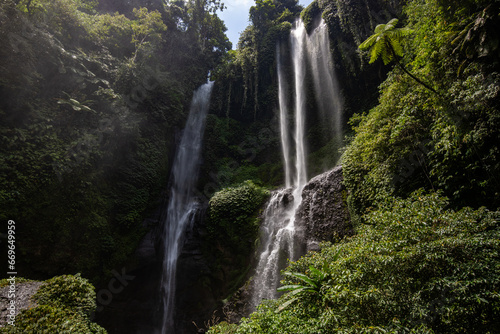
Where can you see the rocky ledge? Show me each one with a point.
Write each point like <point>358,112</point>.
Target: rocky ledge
<point>23,293</point>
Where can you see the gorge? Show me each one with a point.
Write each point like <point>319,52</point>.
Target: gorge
<point>146,200</point>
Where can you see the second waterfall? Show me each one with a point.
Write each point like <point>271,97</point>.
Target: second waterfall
<point>182,205</point>
<point>281,238</point>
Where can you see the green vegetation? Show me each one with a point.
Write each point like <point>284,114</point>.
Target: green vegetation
<point>386,44</point>
<point>415,267</point>
<point>414,138</point>
<point>68,291</point>
<point>233,225</point>
<point>64,305</point>
<point>421,171</point>
<point>87,122</point>
<point>245,80</point>
<point>233,216</point>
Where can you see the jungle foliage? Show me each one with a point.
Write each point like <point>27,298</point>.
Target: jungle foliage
<point>233,226</point>
<point>88,121</point>
<point>415,267</point>
<point>248,75</point>
<point>447,141</point>
<point>421,168</point>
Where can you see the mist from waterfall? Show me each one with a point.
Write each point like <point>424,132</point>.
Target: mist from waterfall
<point>182,205</point>
<point>280,237</point>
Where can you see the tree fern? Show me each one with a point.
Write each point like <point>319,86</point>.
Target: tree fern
<point>386,43</point>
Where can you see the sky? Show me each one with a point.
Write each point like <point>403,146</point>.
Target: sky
<point>236,17</point>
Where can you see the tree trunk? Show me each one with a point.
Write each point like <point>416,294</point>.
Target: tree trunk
<point>411,75</point>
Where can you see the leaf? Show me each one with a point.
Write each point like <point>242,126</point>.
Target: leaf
<point>302,277</point>
<point>289,287</point>
<point>285,304</point>
<point>320,274</point>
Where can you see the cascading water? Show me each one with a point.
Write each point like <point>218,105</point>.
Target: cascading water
<point>279,235</point>
<point>278,228</point>
<point>182,205</point>
<point>283,105</point>
<point>326,86</point>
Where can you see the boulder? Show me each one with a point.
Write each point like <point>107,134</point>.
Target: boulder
<point>323,213</point>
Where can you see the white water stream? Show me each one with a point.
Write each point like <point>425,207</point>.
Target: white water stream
<point>182,205</point>
<point>278,231</point>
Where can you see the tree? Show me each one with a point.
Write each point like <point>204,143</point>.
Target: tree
<point>386,43</point>
<point>147,29</point>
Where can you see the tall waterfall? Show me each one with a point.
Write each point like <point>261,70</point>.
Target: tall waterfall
<point>182,205</point>
<point>280,237</point>
<point>326,87</point>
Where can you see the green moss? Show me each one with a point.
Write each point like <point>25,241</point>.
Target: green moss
<point>233,212</point>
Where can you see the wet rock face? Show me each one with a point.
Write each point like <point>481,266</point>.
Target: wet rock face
<point>323,213</point>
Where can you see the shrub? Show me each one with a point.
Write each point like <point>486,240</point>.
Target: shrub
<point>46,319</point>
<point>232,213</point>
<point>68,291</point>
<point>64,306</point>
<point>233,226</point>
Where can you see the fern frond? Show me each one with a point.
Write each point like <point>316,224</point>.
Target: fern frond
<point>396,46</point>
<point>392,23</point>
<point>368,42</point>
<point>379,29</point>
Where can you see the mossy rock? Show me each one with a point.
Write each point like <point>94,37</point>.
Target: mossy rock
<point>65,304</point>
<point>233,214</point>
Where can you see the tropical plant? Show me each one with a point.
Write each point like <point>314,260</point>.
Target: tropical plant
<point>386,43</point>
<point>311,284</point>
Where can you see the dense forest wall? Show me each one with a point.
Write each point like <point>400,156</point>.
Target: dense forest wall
<point>90,106</point>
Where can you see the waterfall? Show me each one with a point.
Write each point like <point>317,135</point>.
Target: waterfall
<point>182,205</point>
<point>280,237</point>
<point>326,86</point>
<point>298,53</point>
<point>283,105</point>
